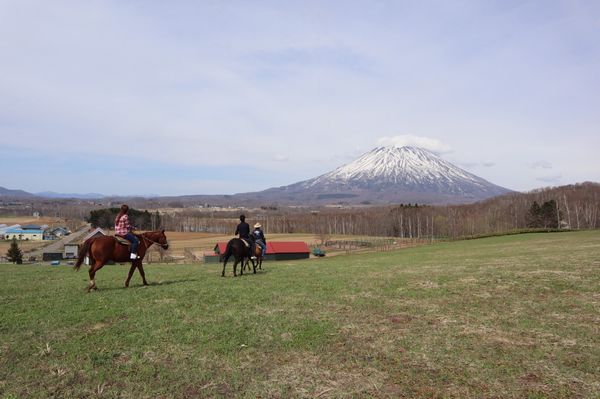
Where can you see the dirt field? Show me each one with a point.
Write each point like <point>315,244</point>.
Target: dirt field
<point>10,220</point>
<point>199,243</point>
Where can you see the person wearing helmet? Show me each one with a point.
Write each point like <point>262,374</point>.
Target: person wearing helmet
<point>259,239</point>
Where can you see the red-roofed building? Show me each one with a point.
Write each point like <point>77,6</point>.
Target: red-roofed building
<point>276,250</point>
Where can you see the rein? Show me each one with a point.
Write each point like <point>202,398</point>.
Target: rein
<point>150,241</point>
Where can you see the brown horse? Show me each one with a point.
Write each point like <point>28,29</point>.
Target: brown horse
<point>255,262</point>
<point>101,250</point>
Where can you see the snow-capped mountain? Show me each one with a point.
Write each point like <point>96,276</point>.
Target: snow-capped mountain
<point>392,175</point>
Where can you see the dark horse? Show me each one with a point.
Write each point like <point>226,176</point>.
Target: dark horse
<point>103,249</point>
<point>240,252</point>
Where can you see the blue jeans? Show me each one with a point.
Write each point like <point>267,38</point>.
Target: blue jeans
<point>133,240</point>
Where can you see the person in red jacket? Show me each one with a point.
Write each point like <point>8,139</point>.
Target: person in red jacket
<point>123,228</point>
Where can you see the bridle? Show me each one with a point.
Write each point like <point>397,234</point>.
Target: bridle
<point>154,242</point>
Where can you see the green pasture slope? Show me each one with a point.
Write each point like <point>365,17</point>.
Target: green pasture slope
<point>514,316</point>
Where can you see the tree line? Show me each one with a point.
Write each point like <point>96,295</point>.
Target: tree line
<point>142,220</point>
<point>573,207</point>
<point>568,207</point>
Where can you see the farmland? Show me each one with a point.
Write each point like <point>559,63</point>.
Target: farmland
<point>512,316</point>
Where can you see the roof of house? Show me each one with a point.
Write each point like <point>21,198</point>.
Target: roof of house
<point>94,232</point>
<point>18,230</point>
<point>31,227</point>
<point>275,247</point>
<point>5,228</point>
<point>288,247</point>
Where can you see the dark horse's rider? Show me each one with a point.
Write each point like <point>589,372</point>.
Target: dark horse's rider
<point>123,228</point>
<point>243,229</point>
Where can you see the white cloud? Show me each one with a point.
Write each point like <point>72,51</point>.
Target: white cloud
<point>427,143</point>
<point>554,179</point>
<point>281,158</point>
<point>541,165</point>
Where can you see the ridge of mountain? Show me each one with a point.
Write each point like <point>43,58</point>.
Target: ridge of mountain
<point>389,175</point>
<point>14,193</point>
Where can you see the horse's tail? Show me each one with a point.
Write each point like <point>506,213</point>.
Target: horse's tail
<point>83,252</point>
<point>228,251</point>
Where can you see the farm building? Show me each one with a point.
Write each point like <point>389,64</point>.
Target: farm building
<point>277,250</point>
<point>30,232</point>
<point>60,231</point>
<point>4,228</point>
<point>94,233</point>
<point>71,251</point>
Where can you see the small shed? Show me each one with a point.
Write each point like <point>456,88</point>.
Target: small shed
<point>276,250</point>
<point>71,251</point>
<point>97,232</point>
<point>60,231</point>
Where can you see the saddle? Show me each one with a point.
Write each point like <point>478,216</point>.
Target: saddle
<point>246,243</point>
<point>122,240</point>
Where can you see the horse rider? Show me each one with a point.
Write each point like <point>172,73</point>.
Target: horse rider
<point>123,228</point>
<point>259,239</point>
<point>243,229</point>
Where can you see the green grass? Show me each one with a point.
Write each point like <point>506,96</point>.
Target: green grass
<point>515,316</point>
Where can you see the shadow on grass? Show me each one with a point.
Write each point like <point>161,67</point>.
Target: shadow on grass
<point>150,284</point>
<point>258,273</point>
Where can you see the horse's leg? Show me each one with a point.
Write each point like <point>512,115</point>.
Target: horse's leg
<point>235,267</point>
<point>140,267</point>
<point>93,269</point>
<point>242,267</point>
<point>91,283</point>
<point>224,264</point>
<point>131,270</point>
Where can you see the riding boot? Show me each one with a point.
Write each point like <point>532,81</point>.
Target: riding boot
<point>133,256</point>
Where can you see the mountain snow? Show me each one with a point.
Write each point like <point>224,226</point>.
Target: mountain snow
<point>408,168</point>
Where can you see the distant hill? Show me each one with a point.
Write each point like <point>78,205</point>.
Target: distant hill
<point>6,192</point>
<point>52,194</point>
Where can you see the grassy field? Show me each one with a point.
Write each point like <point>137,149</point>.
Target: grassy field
<point>514,316</point>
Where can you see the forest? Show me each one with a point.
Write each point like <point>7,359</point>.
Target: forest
<point>573,207</point>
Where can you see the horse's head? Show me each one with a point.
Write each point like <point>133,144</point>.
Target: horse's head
<point>159,237</point>
<point>162,240</point>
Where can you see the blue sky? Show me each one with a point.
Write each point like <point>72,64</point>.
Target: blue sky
<point>219,97</point>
